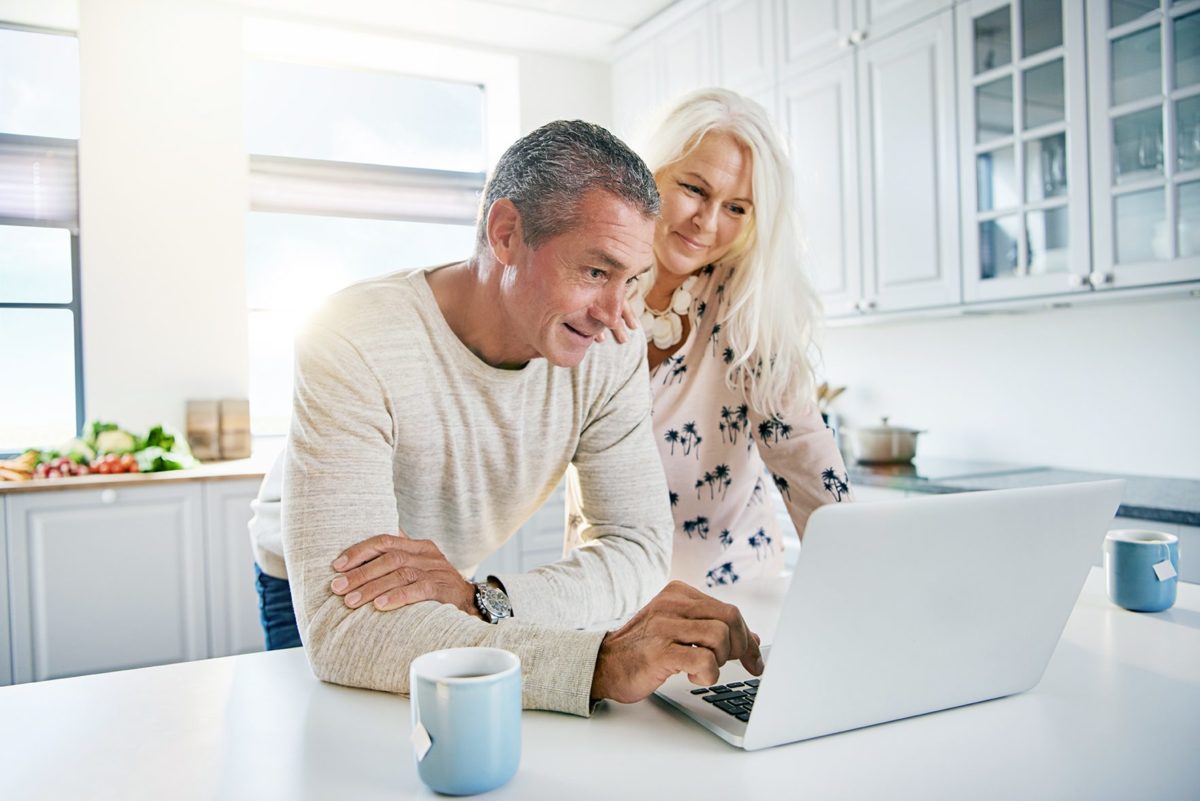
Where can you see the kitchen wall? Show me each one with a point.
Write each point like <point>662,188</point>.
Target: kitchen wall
<point>163,192</point>
<point>1102,387</point>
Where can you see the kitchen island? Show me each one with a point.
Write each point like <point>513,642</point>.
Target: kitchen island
<point>1116,716</point>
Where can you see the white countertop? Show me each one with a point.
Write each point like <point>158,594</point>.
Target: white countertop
<point>1117,716</point>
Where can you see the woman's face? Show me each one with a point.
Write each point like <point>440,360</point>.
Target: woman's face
<point>706,205</point>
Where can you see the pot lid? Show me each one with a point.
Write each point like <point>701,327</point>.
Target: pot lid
<point>885,428</point>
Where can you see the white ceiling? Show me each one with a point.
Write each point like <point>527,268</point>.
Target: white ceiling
<point>578,28</point>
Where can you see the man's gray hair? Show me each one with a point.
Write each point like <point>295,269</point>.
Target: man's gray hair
<point>547,172</point>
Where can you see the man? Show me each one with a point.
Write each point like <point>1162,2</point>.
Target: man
<point>438,409</point>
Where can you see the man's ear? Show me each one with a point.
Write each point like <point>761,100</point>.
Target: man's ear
<point>504,230</point>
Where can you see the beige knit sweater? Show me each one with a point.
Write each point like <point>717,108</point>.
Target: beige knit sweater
<point>396,424</point>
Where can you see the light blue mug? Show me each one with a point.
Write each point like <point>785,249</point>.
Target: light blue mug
<point>466,718</point>
<point>1130,557</point>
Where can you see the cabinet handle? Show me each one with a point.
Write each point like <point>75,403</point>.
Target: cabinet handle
<point>108,496</point>
<point>1076,280</point>
<point>1099,279</point>
<point>857,37</point>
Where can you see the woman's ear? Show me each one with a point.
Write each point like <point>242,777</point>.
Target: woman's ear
<point>504,230</point>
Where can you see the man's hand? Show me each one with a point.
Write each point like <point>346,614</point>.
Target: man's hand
<point>681,630</point>
<point>394,571</point>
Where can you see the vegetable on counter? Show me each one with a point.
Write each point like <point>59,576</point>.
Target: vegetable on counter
<point>105,448</point>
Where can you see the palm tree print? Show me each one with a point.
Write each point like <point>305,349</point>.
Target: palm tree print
<point>722,477</point>
<point>698,525</point>
<point>691,438</point>
<point>757,493</point>
<point>722,575</point>
<point>701,482</point>
<point>677,371</point>
<point>670,363</point>
<point>730,423</point>
<point>727,356</point>
<point>771,429</point>
<point>839,488</point>
<point>760,541</point>
<point>701,309</point>
<point>674,496</point>
<point>708,269</point>
<point>713,337</point>
<point>672,436</point>
<point>726,538</point>
<point>782,484</point>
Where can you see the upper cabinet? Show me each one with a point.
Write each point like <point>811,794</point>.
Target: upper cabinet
<point>812,32</point>
<point>653,68</point>
<point>979,152</point>
<point>744,43</point>
<point>907,147</point>
<point>1144,66</point>
<point>819,116</point>
<point>1023,133</point>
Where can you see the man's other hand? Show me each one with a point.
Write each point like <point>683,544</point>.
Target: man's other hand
<point>681,630</point>
<point>396,570</point>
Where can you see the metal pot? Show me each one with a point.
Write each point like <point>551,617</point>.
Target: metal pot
<point>882,444</point>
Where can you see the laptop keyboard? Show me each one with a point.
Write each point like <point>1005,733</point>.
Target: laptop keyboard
<point>735,698</point>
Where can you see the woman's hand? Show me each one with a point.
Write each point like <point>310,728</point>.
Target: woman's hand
<point>628,320</point>
<point>396,570</point>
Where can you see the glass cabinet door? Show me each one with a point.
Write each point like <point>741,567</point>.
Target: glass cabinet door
<point>1144,63</point>
<point>1023,130</point>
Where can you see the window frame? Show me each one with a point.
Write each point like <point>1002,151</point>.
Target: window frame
<point>72,228</point>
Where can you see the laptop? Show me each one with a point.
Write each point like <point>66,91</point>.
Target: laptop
<point>899,608</point>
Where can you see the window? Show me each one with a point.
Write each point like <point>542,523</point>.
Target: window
<point>353,173</point>
<point>40,326</point>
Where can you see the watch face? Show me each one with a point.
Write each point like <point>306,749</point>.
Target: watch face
<point>494,602</point>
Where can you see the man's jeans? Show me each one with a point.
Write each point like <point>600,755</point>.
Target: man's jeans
<point>275,611</point>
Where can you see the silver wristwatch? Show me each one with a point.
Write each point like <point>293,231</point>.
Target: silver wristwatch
<point>492,602</point>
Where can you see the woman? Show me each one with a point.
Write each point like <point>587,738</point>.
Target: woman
<point>729,316</point>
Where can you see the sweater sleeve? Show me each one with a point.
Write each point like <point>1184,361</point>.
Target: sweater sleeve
<point>338,490</point>
<point>625,551</point>
<point>802,456</point>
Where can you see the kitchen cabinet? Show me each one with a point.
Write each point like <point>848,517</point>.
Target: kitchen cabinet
<point>877,18</point>
<point>672,56</point>
<point>906,122</point>
<point>872,138</point>
<point>636,90</point>
<point>1070,170</point>
<point>818,111</point>
<point>685,54</point>
<point>813,32</point>
<point>105,579</point>
<point>1023,134</point>
<point>233,617</point>
<point>125,575</point>
<point>5,638</point>
<point>744,45</point>
<point>1144,65</point>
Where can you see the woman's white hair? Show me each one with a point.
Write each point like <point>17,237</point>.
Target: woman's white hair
<point>771,310</point>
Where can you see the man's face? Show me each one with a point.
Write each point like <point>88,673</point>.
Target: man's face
<point>561,295</point>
